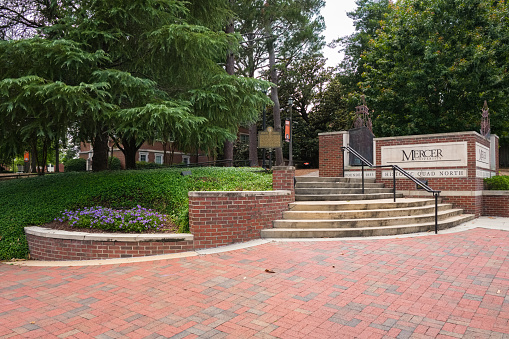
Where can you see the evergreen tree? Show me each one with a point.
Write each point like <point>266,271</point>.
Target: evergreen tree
<point>137,71</point>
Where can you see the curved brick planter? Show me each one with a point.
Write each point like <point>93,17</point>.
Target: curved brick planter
<point>215,219</point>
<point>49,244</point>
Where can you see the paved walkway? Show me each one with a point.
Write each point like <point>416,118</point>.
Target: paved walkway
<point>449,285</point>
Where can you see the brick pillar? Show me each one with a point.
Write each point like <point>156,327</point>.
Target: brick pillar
<point>283,179</point>
<point>331,156</point>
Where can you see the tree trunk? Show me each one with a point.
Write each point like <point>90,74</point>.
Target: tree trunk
<point>33,162</point>
<point>253,147</point>
<point>276,110</point>
<point>253,133</point>
<point>165,153</point>
<point>129,150</point>
<point>101,150</point>
<point>57,156</point>
<point>230,69</point>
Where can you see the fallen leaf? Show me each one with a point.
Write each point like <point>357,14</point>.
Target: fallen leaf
<point>32,322</point>
<point>269,271</point>
<point>498,292</point>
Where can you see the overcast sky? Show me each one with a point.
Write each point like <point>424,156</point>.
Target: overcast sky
<point>338,25</point>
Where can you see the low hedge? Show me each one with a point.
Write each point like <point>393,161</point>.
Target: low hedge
<point>75,165</point>
<point>499,183</point>
<point>39,200</point>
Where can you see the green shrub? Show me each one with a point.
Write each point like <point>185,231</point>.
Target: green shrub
<point>39,200</point>
<point>75,165</point>
<point>499,183</point>
<point>148,165</point>
<point>114,164</point>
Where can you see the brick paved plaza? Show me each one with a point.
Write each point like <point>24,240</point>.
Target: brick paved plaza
<point>446,286</point>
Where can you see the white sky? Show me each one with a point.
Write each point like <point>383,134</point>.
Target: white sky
<point>338,25</point>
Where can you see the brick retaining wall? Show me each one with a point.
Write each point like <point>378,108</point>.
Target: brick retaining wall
<point>496,203</point>
<point>222,218</point>
<point>48,244</point>
<point>215,219</point>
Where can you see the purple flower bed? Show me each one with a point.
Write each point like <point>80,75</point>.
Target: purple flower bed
<point>137,219</point>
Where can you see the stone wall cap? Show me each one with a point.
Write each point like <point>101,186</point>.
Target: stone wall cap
<point>288,168</point>
<point>239,193</point>
<point>128,237</point>
<point>432,135</point>
<point>493,192</point>
<point>333,133</point>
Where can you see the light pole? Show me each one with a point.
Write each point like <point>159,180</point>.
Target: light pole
<point>290,146</point>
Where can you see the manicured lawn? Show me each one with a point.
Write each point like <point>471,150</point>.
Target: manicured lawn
<point>39,200</point>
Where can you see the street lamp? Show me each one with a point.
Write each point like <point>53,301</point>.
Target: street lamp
<point>290,147</point>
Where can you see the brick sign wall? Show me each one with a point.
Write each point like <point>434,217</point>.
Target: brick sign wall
<point>455,163</point>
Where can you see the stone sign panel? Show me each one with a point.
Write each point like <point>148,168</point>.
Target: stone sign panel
<point>450,154</point>
<point>358,174</point>
<point>430,173</point>
<point>482,156</point>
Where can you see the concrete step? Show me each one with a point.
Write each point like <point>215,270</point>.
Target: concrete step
<point>360,205</point>
<point>365,231</point>
<point>396,211</point>
<point>332,179</point>
<point>364,222</point>
<point>344,197</point>
<point>338,185</point>
<point>328,191</point>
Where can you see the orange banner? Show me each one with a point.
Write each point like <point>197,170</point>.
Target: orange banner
<point>287,130</point>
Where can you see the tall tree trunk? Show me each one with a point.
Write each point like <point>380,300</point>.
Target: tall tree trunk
<point>276,110</point>
<point>253,147</point>
<point>57,156</point>
<point>33,162</point>
<point>253,135</point>
<point>101,150</point>
<point>230,69</point>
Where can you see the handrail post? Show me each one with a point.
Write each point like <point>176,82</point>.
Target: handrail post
<point>362,177</point>
<point>436,212</point>
<point>394,182</point>
<point>343,171</point>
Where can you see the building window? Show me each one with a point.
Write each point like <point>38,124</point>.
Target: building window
<point>159,159</point>
<point>144,157</point>
<point>244,138</point>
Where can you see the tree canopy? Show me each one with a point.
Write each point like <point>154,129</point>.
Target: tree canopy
<point>137,71</point>
<point>428,66</point>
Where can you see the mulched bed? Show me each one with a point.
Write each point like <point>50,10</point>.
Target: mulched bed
<point>64,226</point>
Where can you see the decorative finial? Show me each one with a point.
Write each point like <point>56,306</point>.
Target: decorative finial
<point>485,122</point>
<point>363,118</point>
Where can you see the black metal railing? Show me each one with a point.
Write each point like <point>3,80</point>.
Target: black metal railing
<point>365,162</point>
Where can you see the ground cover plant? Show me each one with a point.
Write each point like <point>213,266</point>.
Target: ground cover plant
<point>39,200</point>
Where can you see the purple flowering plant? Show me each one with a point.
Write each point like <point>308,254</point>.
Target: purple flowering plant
<point>136,219</point>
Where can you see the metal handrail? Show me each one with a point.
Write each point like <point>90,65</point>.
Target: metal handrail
<point>395,168</point>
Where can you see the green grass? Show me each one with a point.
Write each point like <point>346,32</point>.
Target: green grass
<point>39,200</point>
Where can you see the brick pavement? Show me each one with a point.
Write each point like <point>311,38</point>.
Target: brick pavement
<point>444,286</point>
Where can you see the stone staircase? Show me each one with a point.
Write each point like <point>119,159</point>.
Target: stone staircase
<point>336,207</point>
